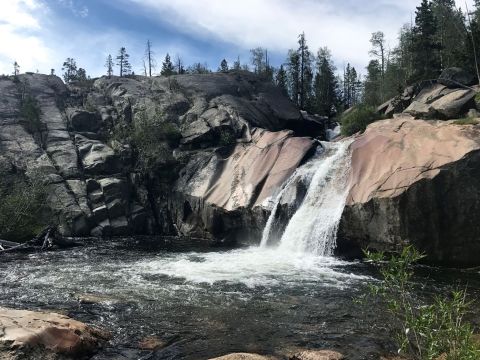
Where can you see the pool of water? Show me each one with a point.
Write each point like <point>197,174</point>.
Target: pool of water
<point>209,303</point>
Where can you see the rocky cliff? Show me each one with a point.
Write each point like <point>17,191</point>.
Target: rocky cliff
<point>415,182</point>
<point>228,142</point>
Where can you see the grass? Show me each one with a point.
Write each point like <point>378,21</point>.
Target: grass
<point>357,119</point>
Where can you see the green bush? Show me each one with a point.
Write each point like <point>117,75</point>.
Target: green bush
<point>358,118</point>
<point>22,209</point>
<point>30,112</point>
<point>226,138</point>
<point>424,330</point>
<point>152,139</point>
<point>466,121</point>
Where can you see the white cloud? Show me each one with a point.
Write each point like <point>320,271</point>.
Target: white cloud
<point>345,27</point>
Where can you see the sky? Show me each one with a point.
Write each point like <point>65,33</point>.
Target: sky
<point>41,34</point>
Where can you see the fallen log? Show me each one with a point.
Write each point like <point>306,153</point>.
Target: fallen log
<point>8,244</point>
<point>40,240</point>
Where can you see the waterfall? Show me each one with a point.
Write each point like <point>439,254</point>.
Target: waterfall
<point>314,225</point>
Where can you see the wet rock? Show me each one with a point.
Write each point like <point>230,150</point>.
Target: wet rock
<point>151,343</point>
<point>318,355</point>
<point>97,157</point>
<point>244,356</point>
<point>95,299</point>
<point>41,335</point>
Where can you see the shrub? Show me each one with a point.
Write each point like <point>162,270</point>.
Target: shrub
<point>424,330</point>
<point>226,138</point>
<point>357,119</point>
<point>466,121</point>
<point>30,112</point>
<point>22,209</point>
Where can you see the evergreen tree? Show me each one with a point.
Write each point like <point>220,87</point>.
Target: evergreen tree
<point>167,66</point>
<point>325,84</point>
<point>81,75</point>
<point>123,62</point>
<point>198,68</point>
<point>450,34</point>
<point>223,66</point>
<point>70,70</point>
<point>306,72</point>
<point>52,72</point>
<point>179,67</point>
<point>236,64</point>
<point>378,51</point>
<point>281,80</point>
<point>373,84</point>
<point>109,65</point>
<point>293,73</point>
<point>16,69</point>
<point>351,87</point>
<point>426,59</point>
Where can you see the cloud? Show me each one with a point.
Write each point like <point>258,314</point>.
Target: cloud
<point>20,35</point>
<point>344,26</point>
<point>76,8</point>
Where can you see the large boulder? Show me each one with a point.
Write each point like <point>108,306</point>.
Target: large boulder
<point>457,77</point>
<point>45,336</point>
<point>415,182</point>
<point>439,101</point>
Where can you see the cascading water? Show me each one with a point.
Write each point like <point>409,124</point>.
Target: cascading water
<point>313,227</point>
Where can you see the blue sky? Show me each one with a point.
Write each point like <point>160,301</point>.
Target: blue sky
<point>40,34</point>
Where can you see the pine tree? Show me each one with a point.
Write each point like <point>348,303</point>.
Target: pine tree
<point>223,66</point>
<point>236,64</point>
<point>167,66</point>
<point>378,51</point>
<point>306,72</point>
<point>70,70</point>
<point>373,84</point>
<point>281,80</point>
<point>293,72</point>
<point>258,60</point>
<point>109,65</point>
<point>122,61</point>
<point>179,67</point>
<point>325,84</point>
<point>81,75</point>
<point>426,59</point>
<point>16,69</point>
<point>351,87</point>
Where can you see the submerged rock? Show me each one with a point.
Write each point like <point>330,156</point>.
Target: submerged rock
<point>317,355</point>
<point>41,335</point>
<point>415,182</point>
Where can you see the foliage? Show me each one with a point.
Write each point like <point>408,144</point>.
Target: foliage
<point>109,65</point>
<point>151,138</point>
<point>424,331</point>
<point>123,62</point>
<point>326,97</point>
<point>226,138</point>
<point>466,121</point>
<point>167,66</point>
<point>30,112</point>
<point>22,209</point>
<point>223,66</point>
<point>358,118</point>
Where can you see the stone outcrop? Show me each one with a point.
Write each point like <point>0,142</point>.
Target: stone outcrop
<point>239,139</point>
<point>415,182</point>
<point>41,335</point>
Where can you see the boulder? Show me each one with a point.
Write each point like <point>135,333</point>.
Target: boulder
<point>457,78</point>
<point>437,100</point>
<point>42,335</point>
<point>83,121</point>
<point>415,182</point>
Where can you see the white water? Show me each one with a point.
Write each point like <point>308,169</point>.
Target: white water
<point>313,227</point>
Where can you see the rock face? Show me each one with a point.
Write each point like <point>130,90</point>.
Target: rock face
<point>40,335</point>
<point>415,182</point>
<point>239,139</point>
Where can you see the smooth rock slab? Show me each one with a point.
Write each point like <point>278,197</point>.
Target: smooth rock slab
<point>41,335</point>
